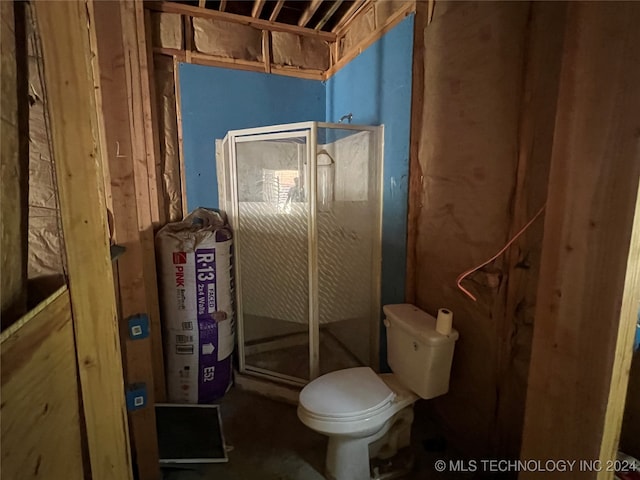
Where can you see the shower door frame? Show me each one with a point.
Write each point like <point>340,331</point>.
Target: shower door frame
<point>228,177</point>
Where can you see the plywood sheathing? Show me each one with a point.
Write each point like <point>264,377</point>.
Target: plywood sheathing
<point>474,76</point>
<point>168,132</point>
<point>166,30</point>
<point>589,289</point>
<point>226,39</point>
<point>298,51</point>
<point>14,161</point>
<point>41,427</point>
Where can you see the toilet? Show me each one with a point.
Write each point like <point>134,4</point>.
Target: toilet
<point>368,415</point>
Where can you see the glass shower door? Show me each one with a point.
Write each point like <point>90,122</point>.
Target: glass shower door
<point>272,251</point>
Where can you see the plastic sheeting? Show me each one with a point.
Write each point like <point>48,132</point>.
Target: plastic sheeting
<point>45,236</point>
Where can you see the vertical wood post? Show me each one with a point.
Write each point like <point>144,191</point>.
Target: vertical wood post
<point>65,30</point>
<point>582,333</point>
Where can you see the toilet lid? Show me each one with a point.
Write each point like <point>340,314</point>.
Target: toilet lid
<point>346,393</point>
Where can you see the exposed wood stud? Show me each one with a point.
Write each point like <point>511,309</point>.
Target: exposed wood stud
<point>266,50</point>
<point>187,30</point>
<point>276,10</point>
<point>587,297</point>
<point>348,14</point>
<point>258,5</point>
<point>327,16</point>
<point>171,7</point>
<point>415,170</point>
<point>223,5</point>
<point>202,3</point>
<point>65,30</point>
<point>126,148</point>
<point>308,13</point>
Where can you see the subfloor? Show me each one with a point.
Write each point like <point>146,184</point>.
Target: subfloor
<point>266,441</point>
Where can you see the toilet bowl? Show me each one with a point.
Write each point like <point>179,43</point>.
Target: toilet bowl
<point>367,415</point>
<point>356,408</point>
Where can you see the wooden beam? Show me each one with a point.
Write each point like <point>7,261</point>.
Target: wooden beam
<point>202,3</point>
<point>172,7</point>
<point>415,170</point>
<point>249,65</point>
<point>276,10</point>
<point>308,12</point>
<point>266,50</point>
<point>126,149</point>
<point>347,15</point>
<point>582,337</point>
<point>327,16</point>
<point>15,164</point>
<point>65,29</point>
<point>406,9</point>
<point>258,5</point>
<point>223,5</point>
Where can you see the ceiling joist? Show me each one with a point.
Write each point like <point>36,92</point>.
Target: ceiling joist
<point>348,15</point>
<point>189,11</point>
<point>276,11</point>
<point>258,5</point>
<point>308,13</point>
<point>327,16</point>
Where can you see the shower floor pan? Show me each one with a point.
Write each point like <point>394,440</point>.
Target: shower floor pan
<point>289,355</point>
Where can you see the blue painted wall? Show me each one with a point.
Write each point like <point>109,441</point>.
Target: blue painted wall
<point>216,100</point>
<point>376,88</point>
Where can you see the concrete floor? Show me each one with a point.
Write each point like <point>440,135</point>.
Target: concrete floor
<point>266,441</point>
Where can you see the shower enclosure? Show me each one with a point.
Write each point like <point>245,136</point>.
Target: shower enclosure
<point>304,201</point>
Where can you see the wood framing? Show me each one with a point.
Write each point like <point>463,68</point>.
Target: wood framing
<point>78,161</point>
<point>348,15</point>
<point>381,25</point>
<point>258,5</point>
<point>327,16</point>
<point>586,310</point>
<point>231,17</point>
<point>415,170</point>
<point>308,12</point>
<point>130,173</point>
<point>41,427</point>
<point>276,10</point>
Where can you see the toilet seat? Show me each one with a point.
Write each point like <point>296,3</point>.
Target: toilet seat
<point>346,395</point>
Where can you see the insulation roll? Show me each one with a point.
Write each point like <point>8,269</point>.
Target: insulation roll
<point>196,287</point>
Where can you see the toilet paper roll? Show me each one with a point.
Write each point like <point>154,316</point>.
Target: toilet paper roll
<point>444,321</point>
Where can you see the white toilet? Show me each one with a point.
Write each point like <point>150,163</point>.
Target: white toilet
<point>366,415</point>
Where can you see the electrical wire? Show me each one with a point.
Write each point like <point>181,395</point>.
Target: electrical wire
<point>464,275</point>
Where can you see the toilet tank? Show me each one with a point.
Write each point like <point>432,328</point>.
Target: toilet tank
<point>418,355</point>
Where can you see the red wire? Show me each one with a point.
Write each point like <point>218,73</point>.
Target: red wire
<point>464,275</point>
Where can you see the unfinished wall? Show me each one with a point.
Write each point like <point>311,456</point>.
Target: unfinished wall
<point>490,87</point>
<point>216,100</point>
